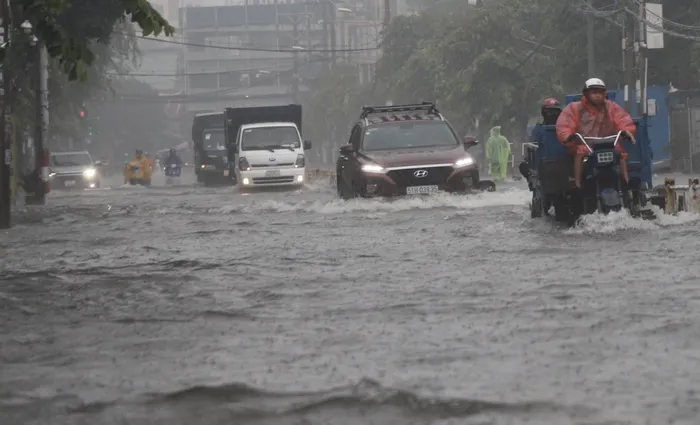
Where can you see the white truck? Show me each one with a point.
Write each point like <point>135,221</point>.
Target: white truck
<point>267,145</point>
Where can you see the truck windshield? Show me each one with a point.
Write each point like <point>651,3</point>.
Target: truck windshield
<point>214,140</point>
<point>402,135</point>
<point>70,159</point>
<point>265,138</point>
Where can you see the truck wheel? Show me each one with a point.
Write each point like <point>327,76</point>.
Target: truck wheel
<point>536,207</point>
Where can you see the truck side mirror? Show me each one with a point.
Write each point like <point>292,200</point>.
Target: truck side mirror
<point>307,145</point>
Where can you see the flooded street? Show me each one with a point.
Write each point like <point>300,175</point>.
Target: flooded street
<point>191,305</point>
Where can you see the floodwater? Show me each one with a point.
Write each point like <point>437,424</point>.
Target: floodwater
<point>190,305</point>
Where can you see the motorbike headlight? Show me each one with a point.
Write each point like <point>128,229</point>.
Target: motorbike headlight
<point>90,173</point>
<point>300,162</point>
<point>372,168</point>
<point>464,162</point>
<point>243,164</point>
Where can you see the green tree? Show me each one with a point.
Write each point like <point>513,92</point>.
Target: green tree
<point>70,27</point>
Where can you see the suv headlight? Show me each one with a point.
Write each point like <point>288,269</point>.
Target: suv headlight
<point>243,164</point>
<point>90,173</point>
<point>372,168</point>
<point>464,162</point>
<point>301,161</point>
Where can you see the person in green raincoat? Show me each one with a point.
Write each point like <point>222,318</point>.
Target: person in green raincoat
<point>497,152</point>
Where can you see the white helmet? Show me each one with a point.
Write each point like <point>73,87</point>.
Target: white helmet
<point>594,83</point>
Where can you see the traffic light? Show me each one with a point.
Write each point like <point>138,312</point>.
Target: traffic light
<point>82,113</point>
<point>89,130</point>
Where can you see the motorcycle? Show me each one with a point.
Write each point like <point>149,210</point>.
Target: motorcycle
<point>172,173</point>
<point>603,189</point>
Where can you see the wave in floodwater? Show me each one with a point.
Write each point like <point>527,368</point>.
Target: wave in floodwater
<point>337,206</point>
<point>366,403</point>
<point>617,221</point>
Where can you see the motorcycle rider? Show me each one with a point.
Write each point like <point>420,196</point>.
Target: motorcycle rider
<point>173,158</point>
<point>593,116</point>
<point>550,110</point>
<point>138,169</point>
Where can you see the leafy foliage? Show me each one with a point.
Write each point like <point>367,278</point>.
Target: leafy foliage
<point>494,63</point>
<point>68,28</point>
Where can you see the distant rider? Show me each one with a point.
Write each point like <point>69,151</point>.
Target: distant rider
<point>138,169</point>
<point>593,116</point>
<point>173,158</point>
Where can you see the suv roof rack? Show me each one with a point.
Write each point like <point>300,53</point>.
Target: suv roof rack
<point>428,107</point>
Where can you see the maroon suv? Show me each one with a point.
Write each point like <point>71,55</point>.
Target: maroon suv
<point>406,150</point>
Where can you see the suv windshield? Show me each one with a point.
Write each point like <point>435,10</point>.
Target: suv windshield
<point>214,140</point>
<point>70,159</point>
<point>270,137</point>
<point>402,135</point>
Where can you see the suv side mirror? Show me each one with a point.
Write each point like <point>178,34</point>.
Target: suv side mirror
<point>470,142</point>
<point>347,149</point>
<point>307,145</point>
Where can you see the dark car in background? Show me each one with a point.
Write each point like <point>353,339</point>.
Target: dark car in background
<point>68,170</point>
<point>406,150</point>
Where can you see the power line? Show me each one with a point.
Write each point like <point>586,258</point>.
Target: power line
<point>249,49</point>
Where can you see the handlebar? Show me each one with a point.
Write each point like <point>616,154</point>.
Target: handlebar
<point>588,141</point>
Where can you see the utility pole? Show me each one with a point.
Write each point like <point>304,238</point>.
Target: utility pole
<point>590,34</point>
<point>295,73</point>
<point>296,19</point>
<point>334,33</point>
<point>5,160</point>
<point>630,78</point>
<point>387,13</point>
<point>38,197</point>
<point>642,60</point>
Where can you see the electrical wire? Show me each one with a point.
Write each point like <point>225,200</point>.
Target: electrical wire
<point>249,49</point>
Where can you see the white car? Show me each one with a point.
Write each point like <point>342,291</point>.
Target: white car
<point>270,154</point>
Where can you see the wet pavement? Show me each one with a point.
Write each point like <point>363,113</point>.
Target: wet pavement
<point>190,305</point>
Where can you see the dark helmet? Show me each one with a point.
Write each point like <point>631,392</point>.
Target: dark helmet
<point>551,102</point>
<point>139,152</point>
<point>550,111</point>
<point>171,152</point>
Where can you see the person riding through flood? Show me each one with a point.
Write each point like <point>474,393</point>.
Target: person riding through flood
<point>497,153</point>
<point>138,169</point>
<point>593,116</point>
<point>550,110</point>
<point>173,158</point>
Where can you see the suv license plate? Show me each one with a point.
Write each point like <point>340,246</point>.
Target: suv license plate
<point>69,183</point>
<point>418,190</point>
<point>272,173</point>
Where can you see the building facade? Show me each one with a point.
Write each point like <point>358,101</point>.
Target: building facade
<point>261,52</point>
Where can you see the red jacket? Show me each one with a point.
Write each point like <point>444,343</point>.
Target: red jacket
<point>579,117</point>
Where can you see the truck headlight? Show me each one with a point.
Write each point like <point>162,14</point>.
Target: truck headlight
<point>372,168</point>
<point>243,164</point>
<point>301,161</point>
<point>464,162</point>
<point>90,173</point>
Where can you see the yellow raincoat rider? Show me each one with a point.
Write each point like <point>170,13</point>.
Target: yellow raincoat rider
<point>497,153</point>
<point>138,170</point>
